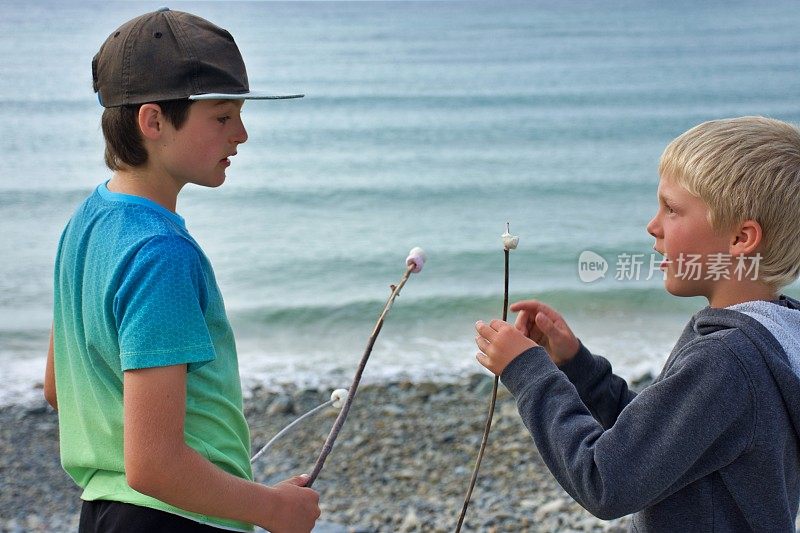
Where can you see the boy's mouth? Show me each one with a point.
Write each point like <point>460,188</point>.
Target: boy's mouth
<point>664,260</point>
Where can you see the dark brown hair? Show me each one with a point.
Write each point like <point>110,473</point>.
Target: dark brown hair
<point>124,146</point>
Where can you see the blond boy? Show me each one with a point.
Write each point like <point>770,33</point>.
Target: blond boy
<point>714,443</point>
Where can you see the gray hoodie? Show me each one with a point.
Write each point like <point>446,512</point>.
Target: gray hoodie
<point>712,445</point>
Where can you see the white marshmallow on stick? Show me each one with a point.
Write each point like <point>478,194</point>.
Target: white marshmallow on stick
<point>414,262</point>
<point>337,397</point>
<point>510,242</point>
<point>416,257</point>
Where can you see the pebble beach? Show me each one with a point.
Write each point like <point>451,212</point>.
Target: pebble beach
<point>402,463</point>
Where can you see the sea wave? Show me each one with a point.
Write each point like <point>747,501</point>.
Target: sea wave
<point>447,308</point>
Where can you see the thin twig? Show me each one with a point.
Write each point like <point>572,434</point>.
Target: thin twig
<point>287,428</point>
<point>487,428</point>
<point>337,426</point>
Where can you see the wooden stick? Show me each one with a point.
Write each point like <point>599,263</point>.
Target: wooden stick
<point>488,427</point>
<point>337,426</point>
<point>285,430</point>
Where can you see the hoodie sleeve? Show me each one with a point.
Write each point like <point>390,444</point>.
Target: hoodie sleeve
<point>604,393</point>
<point>699,417</point>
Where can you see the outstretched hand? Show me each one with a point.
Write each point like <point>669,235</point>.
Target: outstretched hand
<point>499,343</point>
<point>545,326</point>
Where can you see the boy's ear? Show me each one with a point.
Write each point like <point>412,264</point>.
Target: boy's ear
<point>746,238</point>
<point>150,121</point>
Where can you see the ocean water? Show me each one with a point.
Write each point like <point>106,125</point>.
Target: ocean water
<point>425,124</point>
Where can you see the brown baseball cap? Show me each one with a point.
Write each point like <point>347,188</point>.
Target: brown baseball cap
<point>171,55</point>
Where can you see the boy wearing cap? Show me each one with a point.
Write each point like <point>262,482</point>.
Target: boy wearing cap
<point>714,443</point>
<point>142,365</point>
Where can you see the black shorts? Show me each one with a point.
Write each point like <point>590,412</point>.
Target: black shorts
<point>104,516</point>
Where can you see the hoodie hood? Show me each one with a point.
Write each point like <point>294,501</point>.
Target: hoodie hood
<point>782,321</point>
<point>774,328</point>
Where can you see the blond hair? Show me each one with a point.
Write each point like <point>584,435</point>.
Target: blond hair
<point>746,168</point>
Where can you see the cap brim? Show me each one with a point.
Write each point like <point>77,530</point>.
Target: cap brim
<point>251,95</point>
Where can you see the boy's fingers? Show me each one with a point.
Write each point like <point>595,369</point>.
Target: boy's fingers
<point>497,324</point>
<point>484,360</point>
<point>528,325</point>
<point>551,313</point>
<point>521,323</point>
<point>555,329</point>
<point>528,305</point>
<point>488,331</point>
<point>534,307</point>
<point>484,330</point>
<point>545,323</point>
<point>481,342</point>
<point>300,480</point>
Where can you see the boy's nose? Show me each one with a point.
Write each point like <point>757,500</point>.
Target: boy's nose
<point>240,135</point>
<point>244,136</point>
<point>652,226</point>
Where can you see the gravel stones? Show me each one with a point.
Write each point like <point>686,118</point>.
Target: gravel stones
<point>402,463</point>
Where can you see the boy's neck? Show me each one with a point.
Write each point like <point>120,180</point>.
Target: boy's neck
<point>737,292</point>
<point>140,182</point>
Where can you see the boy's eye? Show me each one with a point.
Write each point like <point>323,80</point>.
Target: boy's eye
<point>223,120</point>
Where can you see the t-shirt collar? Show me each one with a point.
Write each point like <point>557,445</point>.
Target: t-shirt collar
<point>106,194</point>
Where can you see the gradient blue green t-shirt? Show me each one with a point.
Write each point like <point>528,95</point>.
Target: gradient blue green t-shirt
<point>134,290</point>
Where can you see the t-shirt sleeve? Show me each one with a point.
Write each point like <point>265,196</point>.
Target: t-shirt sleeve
<point>160,305</point>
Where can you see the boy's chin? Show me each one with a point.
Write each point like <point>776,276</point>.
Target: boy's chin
<point>211,183</point>
<point>682,289</point>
